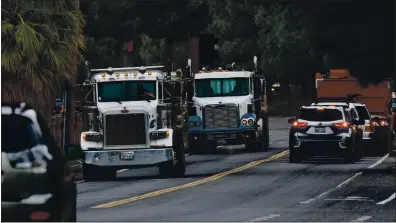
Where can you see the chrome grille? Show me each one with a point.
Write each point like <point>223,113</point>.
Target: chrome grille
<point>221,116</point>
<point>125,129</point>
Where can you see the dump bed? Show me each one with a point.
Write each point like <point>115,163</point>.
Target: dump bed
<point>340,83</point>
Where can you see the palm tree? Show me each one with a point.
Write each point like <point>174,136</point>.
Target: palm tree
<point>41,40</point>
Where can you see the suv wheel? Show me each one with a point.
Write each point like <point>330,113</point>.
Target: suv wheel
<point>295,156</point>
<point>350,151</point>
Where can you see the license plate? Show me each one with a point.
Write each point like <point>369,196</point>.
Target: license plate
<point>221,136</point>
<point>221,142</point>
<point>127,156</point>
<point>320,130</point>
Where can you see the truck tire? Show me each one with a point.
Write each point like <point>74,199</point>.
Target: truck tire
<point>93,173</point>
<point>177,167</point>
<point>193,146</point>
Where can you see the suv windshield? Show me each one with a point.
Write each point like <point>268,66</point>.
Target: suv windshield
<point>362,111</point>
<point>127,91</point>
<point>325,115</point>
<point>17,133</point>
<point>221,87</point>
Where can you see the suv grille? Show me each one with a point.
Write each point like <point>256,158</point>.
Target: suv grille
<point>221,116</point>
<point>129,129</point>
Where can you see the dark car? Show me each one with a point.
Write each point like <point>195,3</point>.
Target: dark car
<point>37,184</point>
<point>326,131</point>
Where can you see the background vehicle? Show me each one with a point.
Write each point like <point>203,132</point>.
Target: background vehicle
<point>133,122</point>
<point>363,113</point>
<point>227,107</point>
<point>36,182</point>
<point>322,130</point>
<point>377,98</point>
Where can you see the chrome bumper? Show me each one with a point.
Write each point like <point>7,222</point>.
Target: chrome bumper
<point>142,157</point>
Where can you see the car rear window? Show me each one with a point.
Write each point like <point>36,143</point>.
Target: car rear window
<point>325,115</point>
<point>362,111</point>
<point>17,133</point>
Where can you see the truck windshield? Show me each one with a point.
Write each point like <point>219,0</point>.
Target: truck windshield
<point>221,87</point>
<point>325,115</point>
<point>127,91</point>
<point>362,111</point>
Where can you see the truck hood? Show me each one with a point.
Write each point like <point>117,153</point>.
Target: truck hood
<point>132,106</point>
<point>222,100</point>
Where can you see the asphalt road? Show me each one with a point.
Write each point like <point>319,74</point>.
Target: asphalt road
<point>248,187</point>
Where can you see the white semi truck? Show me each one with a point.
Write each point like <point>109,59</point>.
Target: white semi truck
<point>227,107</point>
<point>132,122</point>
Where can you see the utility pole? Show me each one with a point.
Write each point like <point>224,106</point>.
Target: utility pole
<point>69,117</point>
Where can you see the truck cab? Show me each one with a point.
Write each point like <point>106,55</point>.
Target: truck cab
<point>129,124</point>
<point>226,108</point>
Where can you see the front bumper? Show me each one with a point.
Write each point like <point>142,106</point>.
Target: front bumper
<point>22,210</point>
<point>229,137</point>
<point>141,157</point>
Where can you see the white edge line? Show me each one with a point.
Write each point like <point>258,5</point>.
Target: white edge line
<point>123,170</point>
<point>393,196</point>
<point>378,162</point>
<point>363,218</point>
<point>265,217</point>
<point>349,180</point>
<point>345,182</point>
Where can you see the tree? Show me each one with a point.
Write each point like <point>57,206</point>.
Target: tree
<point>40,42</point>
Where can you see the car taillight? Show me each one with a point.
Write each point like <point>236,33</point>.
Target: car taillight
<point>341,125</point>
<point>367,128</point>
<point>299,124</point>
<point>380,123</point>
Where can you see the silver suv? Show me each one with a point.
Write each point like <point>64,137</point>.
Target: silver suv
<point>323,130</point>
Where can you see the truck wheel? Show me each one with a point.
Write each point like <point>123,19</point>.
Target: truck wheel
<point>193,146</point>
<point>93,173</point>
<point>177,167</point>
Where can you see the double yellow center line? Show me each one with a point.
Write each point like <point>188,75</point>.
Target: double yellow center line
<point>192,184</point>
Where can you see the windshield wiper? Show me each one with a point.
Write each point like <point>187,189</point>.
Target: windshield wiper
<point>119,102</point>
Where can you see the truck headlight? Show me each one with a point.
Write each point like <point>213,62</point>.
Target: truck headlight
<point>244,122</point>
<point>94,137</point>
<point>192,124</point>
<point>247,122</point>
<point>160,134</point>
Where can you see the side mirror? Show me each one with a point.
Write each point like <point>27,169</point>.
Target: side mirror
<point>362,121</point>
<point>291,120</point>
<point>74,152</point>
